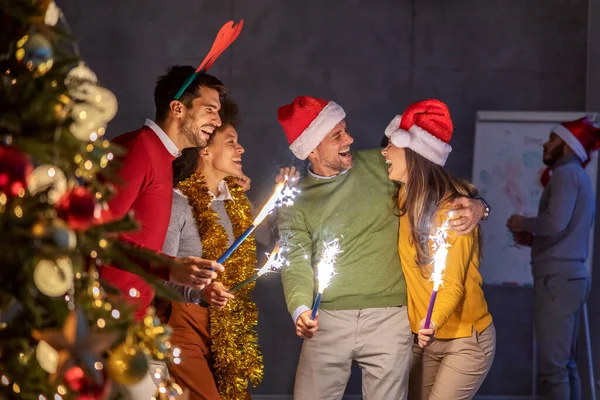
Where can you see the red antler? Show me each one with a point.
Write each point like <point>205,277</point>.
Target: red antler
<point>227,35</point>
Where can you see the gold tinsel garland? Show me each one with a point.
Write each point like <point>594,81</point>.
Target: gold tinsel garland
<point>234,341</point>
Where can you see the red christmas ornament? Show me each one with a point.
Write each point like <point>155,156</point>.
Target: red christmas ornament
<point>15,169</point>
<point>78,208</point>
<point>86,389</point>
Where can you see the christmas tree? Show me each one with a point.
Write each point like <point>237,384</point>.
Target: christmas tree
<point>63,334</point>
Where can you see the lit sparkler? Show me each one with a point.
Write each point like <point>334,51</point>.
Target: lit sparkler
<point>440,251</point>
<point>283,195</point>
<point>325,271</point>
<point>274,263</point>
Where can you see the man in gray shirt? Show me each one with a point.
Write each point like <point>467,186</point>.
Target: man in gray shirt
<point>559,239</point>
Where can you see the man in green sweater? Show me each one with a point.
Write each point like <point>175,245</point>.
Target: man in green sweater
<point>346,196</point>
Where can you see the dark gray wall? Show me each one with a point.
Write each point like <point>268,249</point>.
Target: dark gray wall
<point>372,57</point>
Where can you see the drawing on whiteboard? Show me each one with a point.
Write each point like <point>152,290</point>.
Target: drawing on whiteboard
<point>533,141</point>
<point>532,159</point>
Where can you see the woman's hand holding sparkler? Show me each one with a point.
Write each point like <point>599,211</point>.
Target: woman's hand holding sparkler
<point>306,327</point>
<point>194,271</point>
<point>244,181</point>
<point>216,295</point>
<point>426,336</point>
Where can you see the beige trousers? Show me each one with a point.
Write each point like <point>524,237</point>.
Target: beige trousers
<point>452,369</point>
<point>379,340</point>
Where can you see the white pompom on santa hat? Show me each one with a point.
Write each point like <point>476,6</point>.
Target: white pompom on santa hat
<point>424,127</point>
<point>306,121</point>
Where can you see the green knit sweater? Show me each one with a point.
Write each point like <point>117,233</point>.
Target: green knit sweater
<point>357,207</point>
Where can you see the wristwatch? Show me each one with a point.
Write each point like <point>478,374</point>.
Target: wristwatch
<point>486,212</point>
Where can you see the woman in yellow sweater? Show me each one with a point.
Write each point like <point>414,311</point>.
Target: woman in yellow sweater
<point>454,365</point>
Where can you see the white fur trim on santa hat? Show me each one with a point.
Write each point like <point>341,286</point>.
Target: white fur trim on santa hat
<point>418,140</point>
<point>327,119</point>
<point>571,141</point>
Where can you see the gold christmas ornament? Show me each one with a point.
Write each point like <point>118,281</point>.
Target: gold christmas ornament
<point>55,232</point>
<point>127,364</point>
<point>152,336</point>
<point>53,278</point>
<point>47,357</point>
<point>48,176</point>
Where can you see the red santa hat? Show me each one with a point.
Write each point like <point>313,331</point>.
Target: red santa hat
<point>580,135</point>
<point>306,121</point>
<point>426,128</point>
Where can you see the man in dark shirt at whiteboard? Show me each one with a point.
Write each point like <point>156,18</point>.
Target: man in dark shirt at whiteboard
<point>559,238</point>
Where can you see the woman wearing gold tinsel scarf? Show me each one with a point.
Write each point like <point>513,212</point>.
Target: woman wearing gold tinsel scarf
<point>220,352</point>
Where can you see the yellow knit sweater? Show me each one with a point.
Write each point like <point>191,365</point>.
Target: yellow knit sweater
<point>460,303</point>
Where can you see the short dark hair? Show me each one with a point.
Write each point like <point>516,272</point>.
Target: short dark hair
<point>186,164</point>
<point>169,84</point>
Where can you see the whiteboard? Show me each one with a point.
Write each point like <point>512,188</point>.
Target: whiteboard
<point>507,164</point>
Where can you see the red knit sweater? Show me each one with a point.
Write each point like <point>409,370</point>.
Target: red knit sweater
<point>147,190</point>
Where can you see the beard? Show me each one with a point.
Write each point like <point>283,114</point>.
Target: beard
<point>194,139</point>
<point>338,165</point>
<point>554,155</point>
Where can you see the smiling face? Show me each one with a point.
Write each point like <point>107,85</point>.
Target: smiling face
<point>332,156</point>
<point>202,118</point>
<point>223,155</point>
<point>395,157</point>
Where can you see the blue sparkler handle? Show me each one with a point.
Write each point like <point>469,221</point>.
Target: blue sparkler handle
<point>236,244</point>
<point>315,308</point>
<point>430,310</point>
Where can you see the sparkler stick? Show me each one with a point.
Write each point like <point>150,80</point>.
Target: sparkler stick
<point>275,262</point>
<point>440,249</point>
<point>325,271</point>
<point>283,195</point>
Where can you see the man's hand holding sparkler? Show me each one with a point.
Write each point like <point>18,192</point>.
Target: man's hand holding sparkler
<point>288,173</point>
<point>216,295</point>
<point>306,327</point>
<point>466,215</point>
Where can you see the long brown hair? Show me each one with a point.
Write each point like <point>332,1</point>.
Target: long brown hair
<point>428,186</point>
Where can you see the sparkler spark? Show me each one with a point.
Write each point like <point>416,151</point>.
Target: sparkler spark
<point>283,195</point>
<point>325,267</point>
<point>275,262</point>
<point>440,252</point>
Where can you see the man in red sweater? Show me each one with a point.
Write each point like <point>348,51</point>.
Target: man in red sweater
<point>147,176</point>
